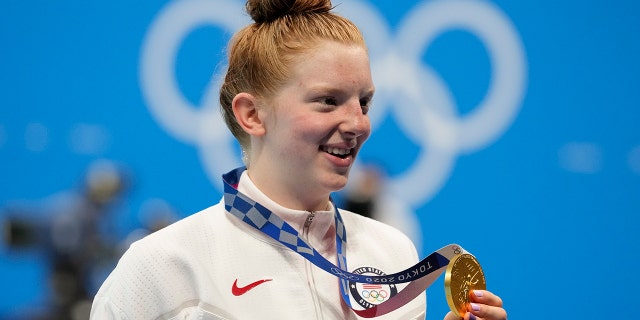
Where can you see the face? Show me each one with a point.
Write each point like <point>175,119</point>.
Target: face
<point>315,125</point>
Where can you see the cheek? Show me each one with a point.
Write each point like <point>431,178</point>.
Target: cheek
<point>311,127</point>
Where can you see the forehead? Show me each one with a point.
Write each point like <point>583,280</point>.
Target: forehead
<point>332,61</point>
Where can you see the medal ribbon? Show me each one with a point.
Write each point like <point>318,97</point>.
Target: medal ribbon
<point>420,276</point>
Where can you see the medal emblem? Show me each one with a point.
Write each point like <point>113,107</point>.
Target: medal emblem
<point>368,295</point>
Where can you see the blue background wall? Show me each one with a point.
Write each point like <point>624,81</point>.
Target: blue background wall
<point>548,200</point>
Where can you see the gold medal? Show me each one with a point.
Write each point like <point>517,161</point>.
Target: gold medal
<point>463,275</point>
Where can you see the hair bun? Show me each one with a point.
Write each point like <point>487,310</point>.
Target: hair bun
<point>269,10</point>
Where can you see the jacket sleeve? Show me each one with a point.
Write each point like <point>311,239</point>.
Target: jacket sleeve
<point>103,309</point>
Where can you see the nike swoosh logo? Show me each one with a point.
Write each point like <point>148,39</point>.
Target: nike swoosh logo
<point>238,291</point>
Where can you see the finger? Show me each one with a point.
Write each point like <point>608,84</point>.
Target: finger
<point>485,297</point>
<point>451,316</point>
<point>478,311</point>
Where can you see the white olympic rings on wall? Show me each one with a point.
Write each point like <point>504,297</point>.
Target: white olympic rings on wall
<point>406,87</point>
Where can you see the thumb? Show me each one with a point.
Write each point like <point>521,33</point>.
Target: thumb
<point>451,316</point>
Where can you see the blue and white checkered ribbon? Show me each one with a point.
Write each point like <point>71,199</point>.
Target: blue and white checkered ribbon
<point>420,276</point>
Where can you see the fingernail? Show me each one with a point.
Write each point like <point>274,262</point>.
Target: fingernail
<point>471,316</point>
<point>478,293</point>
<point>475,307</point>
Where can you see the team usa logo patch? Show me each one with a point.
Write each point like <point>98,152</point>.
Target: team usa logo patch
<point>368,295</point>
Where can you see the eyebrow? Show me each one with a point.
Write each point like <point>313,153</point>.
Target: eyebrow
<point>321,88</point>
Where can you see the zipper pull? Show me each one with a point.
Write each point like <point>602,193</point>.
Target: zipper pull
<point>309,219</point>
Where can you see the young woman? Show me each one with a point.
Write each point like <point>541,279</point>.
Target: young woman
<point>296,97</point>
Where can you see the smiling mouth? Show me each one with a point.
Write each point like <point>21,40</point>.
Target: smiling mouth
<point>338,152</point>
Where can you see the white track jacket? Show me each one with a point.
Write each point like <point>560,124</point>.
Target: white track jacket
<point>211,265</point>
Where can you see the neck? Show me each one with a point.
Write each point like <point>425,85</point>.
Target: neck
<point>292,197</point>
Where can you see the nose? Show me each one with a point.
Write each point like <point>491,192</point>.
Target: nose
<point>356,123</point>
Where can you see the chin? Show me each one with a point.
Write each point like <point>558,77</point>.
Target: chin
<point>338,181</point>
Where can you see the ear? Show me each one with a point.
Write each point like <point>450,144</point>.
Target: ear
<point>246,110</point>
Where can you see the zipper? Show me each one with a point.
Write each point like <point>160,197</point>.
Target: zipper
<point>309,221</point>
<point>309,268</point>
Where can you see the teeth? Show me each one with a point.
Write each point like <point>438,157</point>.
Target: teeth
<point>337,151</point>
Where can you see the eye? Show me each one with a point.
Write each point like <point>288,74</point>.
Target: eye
<point>365,104</point>
<point>330,101</point>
